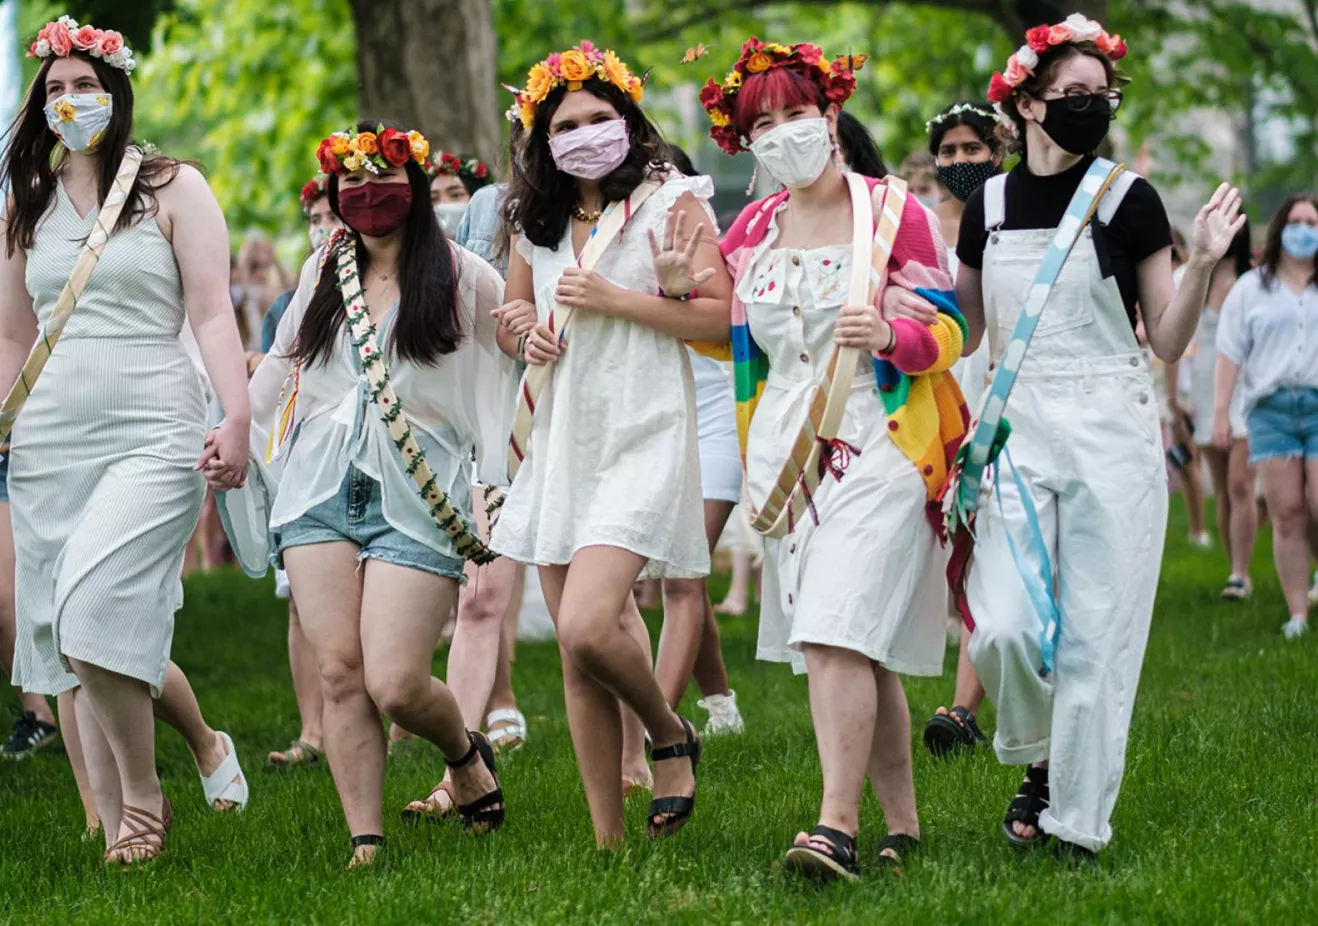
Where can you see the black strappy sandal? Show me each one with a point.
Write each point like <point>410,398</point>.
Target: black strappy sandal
<point>839,861</point>
<point>895,849</point>
<point>955,730</point>
<point>482,813</point>
<point>676,810</point>
<point>366,839</point>
<point>1031,800</point>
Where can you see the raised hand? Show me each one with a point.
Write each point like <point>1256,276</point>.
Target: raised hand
<point>674,264</point>
<point>1216,224</point>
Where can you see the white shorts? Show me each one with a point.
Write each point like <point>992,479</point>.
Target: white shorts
<point>716,435</point>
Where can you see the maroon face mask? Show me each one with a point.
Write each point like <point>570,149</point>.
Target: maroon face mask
<point>375,209</point>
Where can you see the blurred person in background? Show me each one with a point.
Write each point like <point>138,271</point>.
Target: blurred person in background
<point>918,170</point>
<point>1266,342</point>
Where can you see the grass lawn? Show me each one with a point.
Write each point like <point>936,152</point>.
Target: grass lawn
<point>1217,822</point>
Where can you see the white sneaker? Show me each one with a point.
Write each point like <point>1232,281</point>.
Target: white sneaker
<point>1238,588</point>
<point>1295,628</point>
<point>724,718</point>
<point>1202,540</point>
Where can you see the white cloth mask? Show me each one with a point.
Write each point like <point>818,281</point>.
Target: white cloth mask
<point>80,119</point>
<point>795,153</point>
<point>450,216</point>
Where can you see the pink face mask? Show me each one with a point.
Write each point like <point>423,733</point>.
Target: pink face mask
<point>592,151</point>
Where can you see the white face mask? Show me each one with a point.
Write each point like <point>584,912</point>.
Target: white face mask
<point>450,216</point>
<point>319,235</point>
<point>80,119</point>
<point>795,153</point>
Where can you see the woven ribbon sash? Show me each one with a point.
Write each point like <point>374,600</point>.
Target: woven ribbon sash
<point>537,378</point>
<point>465,539</point>
<point>871,249</point>
<point>962,494</point>
<point>49,336</point>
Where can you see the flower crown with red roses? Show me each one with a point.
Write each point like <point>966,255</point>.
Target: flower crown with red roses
<point>64,36</point>
<point>836,78</point>
<point>574,67</point>
<point>313,190</point>
<point>374,151</point>
<point>451,165</point>
<point>1075,29</point>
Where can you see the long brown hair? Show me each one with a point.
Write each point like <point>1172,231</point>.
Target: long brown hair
<point>30,167</point>
<point>1272,242</point>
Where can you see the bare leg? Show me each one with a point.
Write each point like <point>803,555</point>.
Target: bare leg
<point>306,679</point>
<point>31,702</point>
<point>121,710</point>
<point>1192,484</point>
<point>647,593</point>
<point>969,689</point>
<point>102,775</point>
<point>68,721</point>
<point>178,707</point>
<point>1283,486</point>
<point>473,660</point>
<point>710,672</point>
<point>737,599</point>
<point>635,767</point>
<point>502,695</point>
<point>1217,472</point>
<point>1244,509</point>
<point>889,764</point>
<point>843,706</point>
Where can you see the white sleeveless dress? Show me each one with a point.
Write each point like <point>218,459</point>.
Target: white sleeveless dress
<point>103,493</point>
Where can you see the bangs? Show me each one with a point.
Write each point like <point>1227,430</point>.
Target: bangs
<point>776,88</point>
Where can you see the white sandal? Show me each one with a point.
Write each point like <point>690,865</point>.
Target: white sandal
<point>510,737</point>
<point>227,783</point>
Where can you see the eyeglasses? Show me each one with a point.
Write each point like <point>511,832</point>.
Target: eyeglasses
<point>1079,100</point>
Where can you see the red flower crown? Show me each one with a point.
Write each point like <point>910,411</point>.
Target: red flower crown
<point>836,79</point>
<point>313,190</point>
<point>1075,29</point>
<point>451,165</point>
<point>372,151</point>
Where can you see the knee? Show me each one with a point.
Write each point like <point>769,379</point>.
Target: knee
<point>1289,518</point>
<point>683,595</point>
<point>341,678</point>
<point>1240,489</point>
<point>484,606</point>
<point>395,690</point>
<point>582,642</point>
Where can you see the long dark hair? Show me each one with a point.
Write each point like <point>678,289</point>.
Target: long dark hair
<point>428,323</point>
<point>859,148</point>
<point>540,197</point>
<point>30,166</point>
<point>1044,73</point>
<point>1272,243</point>
<point>1240,252</point>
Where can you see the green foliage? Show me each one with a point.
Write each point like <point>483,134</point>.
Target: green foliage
<point>249,88</point>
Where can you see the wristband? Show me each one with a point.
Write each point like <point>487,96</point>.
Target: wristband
<point>521,347</point>
<point>693,294</point>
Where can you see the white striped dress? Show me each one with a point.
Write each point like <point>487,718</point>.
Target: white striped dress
<point>103,493</point>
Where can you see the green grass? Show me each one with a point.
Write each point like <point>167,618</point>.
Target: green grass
<point>1217,821</point>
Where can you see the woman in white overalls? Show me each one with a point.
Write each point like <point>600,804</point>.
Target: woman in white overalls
<point>1085,434</point>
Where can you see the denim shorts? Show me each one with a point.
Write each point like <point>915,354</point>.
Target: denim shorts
<point>355,514</point>
<point>4,477</point>
<point>1284,425</point>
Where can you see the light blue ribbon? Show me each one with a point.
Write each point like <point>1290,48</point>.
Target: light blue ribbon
<point>1038,581</point>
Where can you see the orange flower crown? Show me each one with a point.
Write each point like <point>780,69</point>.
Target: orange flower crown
<point>836,78</point>
<point>374,151</point>
<point>1076,28</point>
<point>573,68</point>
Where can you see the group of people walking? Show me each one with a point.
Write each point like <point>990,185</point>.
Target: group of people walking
<point>424,415</point>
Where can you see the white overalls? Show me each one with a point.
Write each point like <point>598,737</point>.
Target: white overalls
<point>1086,440</point>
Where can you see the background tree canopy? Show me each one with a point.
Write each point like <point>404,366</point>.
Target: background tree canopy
<point>249,86</point>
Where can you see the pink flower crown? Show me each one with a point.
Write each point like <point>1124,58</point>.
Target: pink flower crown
<point>64,36</point>
<point>1076,28</point>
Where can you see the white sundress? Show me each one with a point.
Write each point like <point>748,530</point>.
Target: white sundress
<point>613,457</point>
<point>868,576</point>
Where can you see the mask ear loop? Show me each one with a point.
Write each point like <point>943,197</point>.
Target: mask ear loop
<point>755,173</point>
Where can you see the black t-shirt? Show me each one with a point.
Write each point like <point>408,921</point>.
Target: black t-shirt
<point>1139,228</point>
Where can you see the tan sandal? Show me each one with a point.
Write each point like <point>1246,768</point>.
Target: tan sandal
<point>299,752</point>
<point>146,836</point>
<point>431,809</point>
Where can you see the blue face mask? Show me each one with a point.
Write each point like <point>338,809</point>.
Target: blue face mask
<point>1300,241</point>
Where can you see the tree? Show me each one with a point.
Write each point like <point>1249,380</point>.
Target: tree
<point>431,64</point>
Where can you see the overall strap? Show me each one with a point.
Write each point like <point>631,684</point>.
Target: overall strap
<point>995,202</point>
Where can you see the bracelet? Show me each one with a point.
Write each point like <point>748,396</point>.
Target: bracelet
<point>693,294</point>
<point>892,340</point>
<point>521,347</point>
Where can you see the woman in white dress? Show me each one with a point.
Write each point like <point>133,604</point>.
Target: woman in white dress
<point>854,591</point>
<point>391,325</point>
<point>609,489</point>
<point>103,479</point>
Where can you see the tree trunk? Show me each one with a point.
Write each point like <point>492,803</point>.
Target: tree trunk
<point>430,65</point>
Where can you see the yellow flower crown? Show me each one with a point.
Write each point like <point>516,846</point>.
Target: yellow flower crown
<point>574,67</point>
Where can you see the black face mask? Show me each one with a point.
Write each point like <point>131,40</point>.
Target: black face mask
<point>1078,132</point>
<point>963,178</point>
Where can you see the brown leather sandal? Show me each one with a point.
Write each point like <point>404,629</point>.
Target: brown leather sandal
<point>431,809</point>
<point>146,835</point>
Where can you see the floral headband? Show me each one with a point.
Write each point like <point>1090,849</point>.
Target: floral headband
<point>1076,28</point>
<point>313,190</point>
<point>374,151</point>
<point>836,79</point>
<point>64,36</point>
<point>451,165</point>
<point>574,67</point>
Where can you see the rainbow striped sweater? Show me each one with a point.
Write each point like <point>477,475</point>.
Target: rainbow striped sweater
<point>927,415</point>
